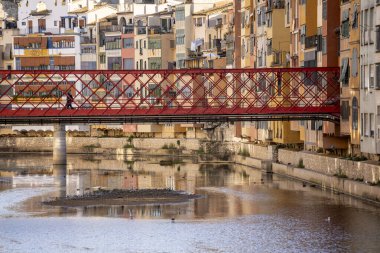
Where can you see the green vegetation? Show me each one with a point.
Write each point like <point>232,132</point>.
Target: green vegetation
<point>92,146</point>
<point>128,146</point>
<point>170,146</point>
<point>356,158</point>
<point>244,152</point>
<point>300,164</point>
<point>201,150</point>
<point>340,174</point>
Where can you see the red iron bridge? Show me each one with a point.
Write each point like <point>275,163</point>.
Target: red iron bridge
<point>185,95</point>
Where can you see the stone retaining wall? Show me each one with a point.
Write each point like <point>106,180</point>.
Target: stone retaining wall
<point>363,170</point>
<point>347,186</point>
<point>80,144</point>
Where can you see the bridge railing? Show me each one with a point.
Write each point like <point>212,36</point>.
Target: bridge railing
<point>104,93</point>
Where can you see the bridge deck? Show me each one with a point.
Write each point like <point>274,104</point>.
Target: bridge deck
<point>169,95</point>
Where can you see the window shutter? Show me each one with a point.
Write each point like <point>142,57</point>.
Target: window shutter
<point>354,62</point>
<point>377,76</point>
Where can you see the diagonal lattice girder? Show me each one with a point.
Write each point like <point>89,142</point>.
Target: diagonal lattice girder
<point>168,95</point>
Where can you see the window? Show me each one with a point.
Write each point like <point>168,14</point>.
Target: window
<point>377,38</point>
<point>324,9</point>
<point>371,75</point>
<point>303,34</point>
<point>372,125</point>
<point>180,36</point>
<point>355,113</point>
<point>113,43</point>
<point>371,19</point>
<point>377,76</point>
<point>154,44</point>
<point>269,46</point>
<point>180,14</point>
<point>269,19</point>
<point>102,59</point>
<point>345,31</point>
<point>88,65</point>
<point>180,40</point>
<point>154,62</point>
<point>128,43</point>
<point>129,92</point>
<point>114,63</point>
<point>354,62</point>
<point>345,110</point>
<point>344,72</point>
<point>324,45</point>
<point>128,63</point>
<point>355,18</point>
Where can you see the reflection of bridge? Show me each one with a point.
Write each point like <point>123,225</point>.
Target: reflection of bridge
<point>187,95</point>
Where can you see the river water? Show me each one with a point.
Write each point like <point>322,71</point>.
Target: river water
<point>242,209</point>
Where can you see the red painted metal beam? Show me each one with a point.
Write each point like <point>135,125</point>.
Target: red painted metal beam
<point>104,94</point>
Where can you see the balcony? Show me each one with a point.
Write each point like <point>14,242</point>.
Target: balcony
<point>128,29</point>
<point>112,45</point>
<point>311,41</point>
<point>275,4</point>
<point>141,30</point>
<point>87,40</point>
<point>111,28</point>
<point>125,8</point>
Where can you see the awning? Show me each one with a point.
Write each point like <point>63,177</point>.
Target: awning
<point>343,69</point>
<point>34,61</point>
<point>64,60</point>
<point>63,38</point>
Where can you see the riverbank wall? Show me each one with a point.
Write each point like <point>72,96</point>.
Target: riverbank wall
<point>360,179</point>
<point>93,144</point>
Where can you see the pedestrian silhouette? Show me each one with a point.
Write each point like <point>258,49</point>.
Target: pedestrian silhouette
<point>69,101</point>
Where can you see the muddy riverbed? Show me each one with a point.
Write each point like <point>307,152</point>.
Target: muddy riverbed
<point>103,197</point>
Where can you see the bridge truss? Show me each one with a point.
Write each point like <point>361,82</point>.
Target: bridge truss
<point>186,95</point>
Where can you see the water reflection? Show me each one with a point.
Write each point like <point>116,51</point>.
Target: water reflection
<point>242,203</point>
<point>228,190</point>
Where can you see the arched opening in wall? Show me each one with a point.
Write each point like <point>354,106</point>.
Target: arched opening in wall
<point>122,23</point>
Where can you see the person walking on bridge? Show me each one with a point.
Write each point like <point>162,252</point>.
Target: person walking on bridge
<point>69,101</point>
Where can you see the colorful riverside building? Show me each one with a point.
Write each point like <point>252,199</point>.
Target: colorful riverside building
<point>265,44</point>
<point>8,29</point>
<point>370,78</point>
<point>314,43</point>
<point>350,72</point>
<point>49,40</point>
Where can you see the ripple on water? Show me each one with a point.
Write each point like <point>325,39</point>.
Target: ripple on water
<point>257,233</point>
<point>10,199</point>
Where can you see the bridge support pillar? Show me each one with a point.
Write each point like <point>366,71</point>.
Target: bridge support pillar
<point>59,145</point>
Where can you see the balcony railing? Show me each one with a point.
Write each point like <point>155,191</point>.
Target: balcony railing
<point>141,30</point>
<point>111,28</point>
<point>87,40</point>
<point>128,30</point>
<point>311,41</point>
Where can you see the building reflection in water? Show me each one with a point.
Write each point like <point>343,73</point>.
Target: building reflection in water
<point>227,190</point>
